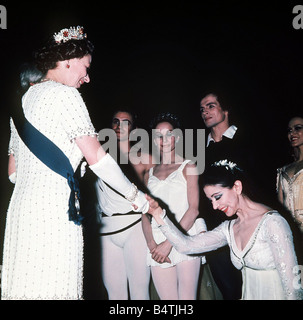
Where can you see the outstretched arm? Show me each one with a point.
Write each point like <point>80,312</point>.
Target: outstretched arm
<point>200,243</point>
<point>107,169</point>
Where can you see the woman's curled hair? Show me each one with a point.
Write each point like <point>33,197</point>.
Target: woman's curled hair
<point>226,177</point>
<point>47,57</point>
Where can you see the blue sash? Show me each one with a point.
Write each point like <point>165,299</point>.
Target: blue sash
<point>53,157</point>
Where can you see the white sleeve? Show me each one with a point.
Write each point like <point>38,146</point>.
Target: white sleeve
<point>279,237</point>
<point>200,243</point>
<point>74,115</point>
<point>108,170</point>
<point>13,138</point>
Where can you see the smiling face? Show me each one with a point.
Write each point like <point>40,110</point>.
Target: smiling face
<point>164,137</point>
<point>295,132</point>
<point>223,198</point>
<point>77,71</point>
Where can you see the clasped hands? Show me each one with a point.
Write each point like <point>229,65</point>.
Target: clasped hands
<point>159,251</point>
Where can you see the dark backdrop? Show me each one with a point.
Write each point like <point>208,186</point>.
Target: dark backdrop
<point>161,56</point>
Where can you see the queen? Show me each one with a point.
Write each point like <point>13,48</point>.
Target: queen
<point>43,245</point>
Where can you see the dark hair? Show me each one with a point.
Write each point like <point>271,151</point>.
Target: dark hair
<point>47,57</point>
<point>222,99</point>
<point>130,112</point>
<point>166,117</point>
<point>226,177</point>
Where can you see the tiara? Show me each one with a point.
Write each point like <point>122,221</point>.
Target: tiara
<point>227,164</point>
<point>72,33</point>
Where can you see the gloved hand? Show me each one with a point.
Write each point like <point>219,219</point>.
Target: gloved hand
<point>108,170</point>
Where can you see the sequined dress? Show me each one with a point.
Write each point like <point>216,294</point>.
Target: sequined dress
<point>268,261</point>
<point>292,189</point>
<point>43,250</point>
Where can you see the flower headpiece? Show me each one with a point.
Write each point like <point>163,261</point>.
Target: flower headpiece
<point>227,164</point>
<point>73,33</point>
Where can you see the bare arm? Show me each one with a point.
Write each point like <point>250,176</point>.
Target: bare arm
<point>159,252</point>
<point>11,164</point>
<point>12,168</point>
<point>147,230</point>
<point>192,212</point>
<point>146,225</point>
<point>90,148</point>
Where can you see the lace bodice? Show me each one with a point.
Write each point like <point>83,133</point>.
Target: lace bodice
<point>270,247</point>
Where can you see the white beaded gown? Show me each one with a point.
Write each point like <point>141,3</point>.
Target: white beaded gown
<point>43,250</point>
<point>268,262</point>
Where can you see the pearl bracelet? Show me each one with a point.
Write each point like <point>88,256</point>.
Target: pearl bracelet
<point>133,196</point>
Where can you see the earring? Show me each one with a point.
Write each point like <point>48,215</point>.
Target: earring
<point>68,66</point>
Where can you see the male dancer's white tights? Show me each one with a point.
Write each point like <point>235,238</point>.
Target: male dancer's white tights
<point>124,264</point>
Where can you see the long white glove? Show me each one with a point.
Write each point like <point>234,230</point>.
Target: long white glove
<point>108,170</point>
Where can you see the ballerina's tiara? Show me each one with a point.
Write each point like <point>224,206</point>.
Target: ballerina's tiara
<point>227,164</point>
<point>73,33</point>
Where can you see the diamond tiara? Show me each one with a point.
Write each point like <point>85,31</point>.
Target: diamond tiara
<point>227,164</point>
<point>73,33</point>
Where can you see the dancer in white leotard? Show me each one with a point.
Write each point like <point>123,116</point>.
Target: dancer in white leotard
<point>175,275</point>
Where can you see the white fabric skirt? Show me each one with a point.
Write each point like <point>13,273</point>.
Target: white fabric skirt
<point>261,285</point>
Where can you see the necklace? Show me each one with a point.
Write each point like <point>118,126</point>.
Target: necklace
<point>45,80</point>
